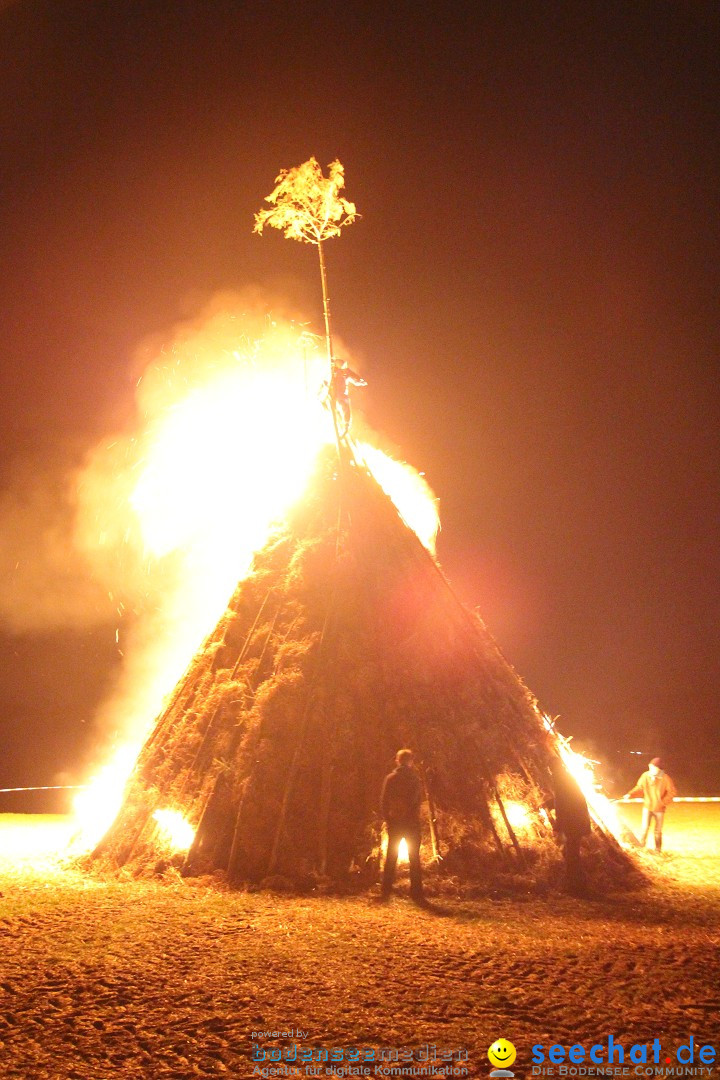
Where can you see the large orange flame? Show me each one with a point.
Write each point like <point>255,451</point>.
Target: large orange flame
<point>230,439</point>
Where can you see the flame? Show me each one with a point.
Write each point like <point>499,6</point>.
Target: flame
<point>230,438</point>
<point>409,491</point>
<point>403,852</point>
<point>232,455</point>
<point>517,814</point>
<point>95,808</point>
<point>602,810</point>
<point>174,830</point>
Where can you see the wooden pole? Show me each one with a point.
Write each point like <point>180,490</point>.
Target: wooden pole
<point>431,813</point>
<point>508,826</point>
<point>326,306</point>
<point>328,340</point>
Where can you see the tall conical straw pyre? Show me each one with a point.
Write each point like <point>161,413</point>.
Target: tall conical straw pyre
<point>345,643</point>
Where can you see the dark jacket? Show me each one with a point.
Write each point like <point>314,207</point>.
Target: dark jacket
<point>402,796</point>
<point>571,813</point>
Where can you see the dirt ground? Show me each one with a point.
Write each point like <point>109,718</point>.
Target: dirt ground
<point>104,979</point>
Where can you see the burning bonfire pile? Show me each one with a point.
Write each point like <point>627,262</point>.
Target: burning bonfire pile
<point>342,642</point>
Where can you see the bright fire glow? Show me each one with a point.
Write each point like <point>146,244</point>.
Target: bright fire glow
<point>403,853</point>
<point>32,841</point>
<point>602,810</point>
<point>95,808</point>
<point>229,440</point>
<point>410,492</point>
<point>517,814</point>
<point>233,455</point>
<point>174,830</point>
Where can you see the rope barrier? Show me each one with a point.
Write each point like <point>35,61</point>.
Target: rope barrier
<point>679,798</point>
<point>50,787</point>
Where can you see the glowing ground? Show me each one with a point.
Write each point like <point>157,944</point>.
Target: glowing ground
<point>103,979</point>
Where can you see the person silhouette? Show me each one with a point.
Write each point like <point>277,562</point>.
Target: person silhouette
<point>658,791</point>
<point>401,799</point>
<point>342,378</point>
<point>572,821</point>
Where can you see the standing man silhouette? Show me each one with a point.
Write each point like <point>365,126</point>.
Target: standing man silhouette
<point>572,821</point>
<point>402,796</point>
<point>342,378</point>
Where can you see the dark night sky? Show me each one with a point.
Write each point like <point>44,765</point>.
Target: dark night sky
<point>532,293</point>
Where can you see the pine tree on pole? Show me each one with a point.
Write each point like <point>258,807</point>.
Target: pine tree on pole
<point>308,207</point>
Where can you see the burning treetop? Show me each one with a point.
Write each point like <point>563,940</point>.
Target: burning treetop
<point>306,205</point>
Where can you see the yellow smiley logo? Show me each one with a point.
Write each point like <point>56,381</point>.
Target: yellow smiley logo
<point>502,1053</point>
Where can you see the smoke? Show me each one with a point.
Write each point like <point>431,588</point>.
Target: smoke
<point>151,532</point>
<point>152,528</point>
<point>46,582</point>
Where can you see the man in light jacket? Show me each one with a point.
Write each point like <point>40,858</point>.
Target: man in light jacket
<point>658,791</point>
